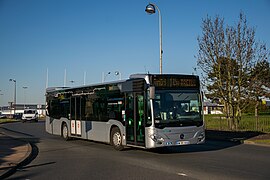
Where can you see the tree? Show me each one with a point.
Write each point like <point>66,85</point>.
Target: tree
<point>261,86</point>
<point>228,57</point>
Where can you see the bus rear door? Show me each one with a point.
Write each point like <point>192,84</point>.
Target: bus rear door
<point>75,125</point>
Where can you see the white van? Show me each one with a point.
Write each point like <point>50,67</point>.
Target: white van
<point>30,115</point>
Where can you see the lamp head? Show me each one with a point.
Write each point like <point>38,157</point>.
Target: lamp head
<point>150,9</point>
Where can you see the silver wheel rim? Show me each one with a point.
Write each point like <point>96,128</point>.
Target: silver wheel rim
<point>65,132</point>
<point>117,139</point>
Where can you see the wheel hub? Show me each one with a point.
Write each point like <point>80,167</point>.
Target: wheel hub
<point>117,139</point>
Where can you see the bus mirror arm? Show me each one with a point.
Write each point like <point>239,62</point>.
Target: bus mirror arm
<point>152,92</point>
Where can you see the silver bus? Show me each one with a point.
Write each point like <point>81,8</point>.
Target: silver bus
<point>146,110</point>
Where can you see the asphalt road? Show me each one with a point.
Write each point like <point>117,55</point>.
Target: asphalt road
<point>54,158</point>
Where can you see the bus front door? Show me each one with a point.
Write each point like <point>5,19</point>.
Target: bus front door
<point>135,123</point>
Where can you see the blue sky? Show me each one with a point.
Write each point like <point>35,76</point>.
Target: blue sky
<point>101,36</point>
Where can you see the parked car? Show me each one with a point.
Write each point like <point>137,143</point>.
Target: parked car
<point>17,116</point>
<point>30,115</point>
<point>2,116</point>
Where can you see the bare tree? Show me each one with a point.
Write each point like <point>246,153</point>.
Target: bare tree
<point>228,56</point>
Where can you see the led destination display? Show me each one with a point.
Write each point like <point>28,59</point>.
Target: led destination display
<point>174,82</point>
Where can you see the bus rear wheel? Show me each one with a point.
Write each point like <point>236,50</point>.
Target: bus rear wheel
<point>116,139</point>
<point>65,132</point>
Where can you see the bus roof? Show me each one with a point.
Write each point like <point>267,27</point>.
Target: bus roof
<point>52,89</point>
<point>147,78</point>
<point>132,76</point>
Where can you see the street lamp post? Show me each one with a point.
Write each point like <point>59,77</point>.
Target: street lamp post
<point>151,9</point>
<point>105,75</point>
<point>118,73</point>
<point>1,105</point>
<point>25,87</point>
<point>14,103</point>
<point>72,81</point>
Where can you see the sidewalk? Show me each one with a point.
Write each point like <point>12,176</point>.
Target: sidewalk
<point>13,152</point>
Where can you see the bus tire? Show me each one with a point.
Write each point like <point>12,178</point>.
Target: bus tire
<point>65,132</point>
<point>116,139</point>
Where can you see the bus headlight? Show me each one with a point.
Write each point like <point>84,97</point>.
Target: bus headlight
<point>157,139</point>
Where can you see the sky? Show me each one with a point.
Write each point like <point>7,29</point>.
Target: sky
<point>85,39</point>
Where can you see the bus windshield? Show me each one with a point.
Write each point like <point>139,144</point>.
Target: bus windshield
<point>177,108</point>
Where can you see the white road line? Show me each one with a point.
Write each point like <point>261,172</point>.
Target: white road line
<point>182,174</point>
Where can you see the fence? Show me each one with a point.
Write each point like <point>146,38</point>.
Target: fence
<point>247,123</point>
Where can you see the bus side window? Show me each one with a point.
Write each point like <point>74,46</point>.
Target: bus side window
<point>88,109</point>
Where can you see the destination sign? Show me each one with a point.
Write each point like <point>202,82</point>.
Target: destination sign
<point>174,82</point>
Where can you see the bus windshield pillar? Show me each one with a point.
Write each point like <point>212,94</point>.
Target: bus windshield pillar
<point>152,112</point>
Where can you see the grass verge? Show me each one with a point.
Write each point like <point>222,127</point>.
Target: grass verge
<point>261,141</point>
<point>8,120</point>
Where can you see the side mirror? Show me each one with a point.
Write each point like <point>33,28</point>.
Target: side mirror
<point>152,92</point>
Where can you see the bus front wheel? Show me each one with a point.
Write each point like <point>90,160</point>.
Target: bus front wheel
<point>65,132</point>
<point>116,139</point>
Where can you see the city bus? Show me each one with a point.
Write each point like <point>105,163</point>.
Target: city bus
<point>145,110</point>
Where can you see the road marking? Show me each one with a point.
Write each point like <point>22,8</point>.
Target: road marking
<point>182,174</point>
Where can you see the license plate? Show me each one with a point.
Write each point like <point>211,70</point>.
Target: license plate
<point>183,142</point>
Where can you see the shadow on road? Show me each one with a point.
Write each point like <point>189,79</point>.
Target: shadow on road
<point>215,140</point>
<point>209,145</point>
<point>231,135</point>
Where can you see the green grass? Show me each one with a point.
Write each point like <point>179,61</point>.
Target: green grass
<point>7,120</point>
<point>247,123</point>
<point>262,141</point>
